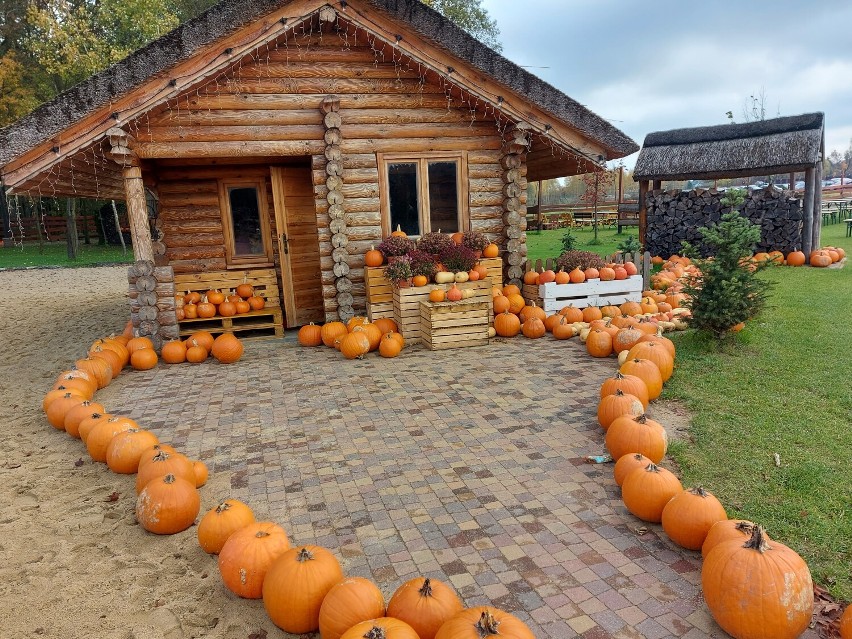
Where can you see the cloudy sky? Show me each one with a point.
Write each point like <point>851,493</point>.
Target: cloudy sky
<point>667,64</point>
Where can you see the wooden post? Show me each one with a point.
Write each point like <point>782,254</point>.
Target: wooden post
<point>137,214</point>
<point>792,182</point>
<point>808,223</point>
<point>117,228</point>
<point>71,228</point>
<point>816,235</point>
<point>540,219</point>
<point>5,219</point>
<point>658,184</point>
<point>643,212</point>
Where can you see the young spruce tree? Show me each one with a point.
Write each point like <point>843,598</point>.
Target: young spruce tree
<point>728,290</point>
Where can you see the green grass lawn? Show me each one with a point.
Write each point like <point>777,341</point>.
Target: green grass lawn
<point>56,254</point>
<point>782,386</point>
<point>544,244</point>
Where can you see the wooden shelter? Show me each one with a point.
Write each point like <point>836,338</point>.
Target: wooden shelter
<point>287,136</point>
<point>767,147</point>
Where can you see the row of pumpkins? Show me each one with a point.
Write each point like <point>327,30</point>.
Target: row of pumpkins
<point>214,302</point>
<point>355,338</point>
<point>303,588</point>
<point>737,554</point>
<point>611,271</point>
<point>656,312</point>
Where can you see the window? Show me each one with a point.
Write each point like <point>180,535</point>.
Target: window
<point>245,222</point>
<point>423,193</point>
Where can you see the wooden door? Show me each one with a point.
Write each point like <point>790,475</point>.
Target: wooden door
<point>298,245</point>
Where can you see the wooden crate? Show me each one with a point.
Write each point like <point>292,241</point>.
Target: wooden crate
<point>494,265</point>
<point>553,297</point>
<point>265,283</point>
<point>382,309</point>
<point>406,304</point>
<point>267,321</point>
<point>454,324</point>
<point>379,290</point>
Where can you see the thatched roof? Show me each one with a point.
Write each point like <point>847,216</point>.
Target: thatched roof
<point>229,15</point>
<point>779,145</point>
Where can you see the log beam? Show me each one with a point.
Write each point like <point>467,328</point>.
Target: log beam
<point>137,213</point>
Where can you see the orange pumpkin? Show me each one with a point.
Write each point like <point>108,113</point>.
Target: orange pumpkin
<point>221,522</point>
<point>425,604</point>
<point>688,517</point>
<point>656,353</point>
<point>310,335</point>
<point>562,277</point>
<point>516,303</point>
<point>373,257</point>
<point>332,331</point>
<point>201,473</point>
<point>295,586</point>
<point>483,622</point>
<point>628,384</point>
<point>507,324</point>
<point>61,406</point>
<point>612,406</point>
<point>562,329</point>
<point>355,344</point>
<point>144,359</point>
<point>163,463</point>
<point>174,352</point>
<point>501,304</point>
<point>385,325</point>
<point>77,413</point>
<point>592,313</point>
<point>389,346</point>
<point>648,372</point>
<point>533,328</point>
<point>646,491</point>
<point>599,343</point>
<point>636,434</point>
<point>247,554</point>
<point>125,450</point>
<point>437,295</point>
<point>576,276</point>
<point>168,505</point>
<point>100,436</point>
<point>227,348</point>
<point>203,338</point>
<point>350,602</point>
<point>726,530</point>
<point>245,290</point>
<point>490,251</point>
<point>628,463</point>
<point>571,313</point>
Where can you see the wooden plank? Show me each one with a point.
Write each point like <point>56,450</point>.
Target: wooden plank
<point>454,324</point>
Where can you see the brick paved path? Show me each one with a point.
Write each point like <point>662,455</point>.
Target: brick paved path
<point>464,465</point>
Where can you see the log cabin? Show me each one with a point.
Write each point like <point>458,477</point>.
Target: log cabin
<point>275,141</point>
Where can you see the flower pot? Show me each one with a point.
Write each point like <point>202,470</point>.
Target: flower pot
<point>478,254</point>
<point>403,284</point>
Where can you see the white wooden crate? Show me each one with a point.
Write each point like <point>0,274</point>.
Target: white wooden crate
<point>553,297</point>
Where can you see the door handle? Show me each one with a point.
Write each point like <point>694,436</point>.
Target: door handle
<point>284,245</point>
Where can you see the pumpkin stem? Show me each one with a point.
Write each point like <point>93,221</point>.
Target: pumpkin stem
<point>304,555</point>
<point>375,633</point>
<point>758,540</point>
<point>487,624</point>
<point>222,507</point>
<point>745,527</point>
<point>426,588</point>
<point>618,392</point>
<point>652,468</point>
<point>698,491</point>
<point>161,456</point>
<point>260,534</point>
<point>169,479</point>
<point>641,419</point>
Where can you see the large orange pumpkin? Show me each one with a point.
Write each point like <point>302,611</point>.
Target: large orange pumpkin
<point>174,352</point>
<point>688,517</point>
<point>332,331</point>
<point>144,359</point>
<point>355,344</point>
<point>247,554</point>
<point>227,348</point>
<point>125,450</point>
<point>758,590</point>
<point>726,530</point>
<point>163,463</point>
<point>616,405</point>
<point>221,522</point>
<point>484,622</point>
<point>425,604</point>
<point>168,505</point>
<point>310,335</point>
<point>656,353</point>
<point>648,372</point>
<point>295,586</point>
<point>646,491</point>
<point>382,628</point>
<point>636,434</point>
<point>629,384</point>
<point>507,324</point>
<point>599,343</point>
<point>348,603</point>
<point>101,435</point>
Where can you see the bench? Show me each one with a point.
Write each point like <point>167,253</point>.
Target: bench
<point>628,215</point>
<point>265,283</point>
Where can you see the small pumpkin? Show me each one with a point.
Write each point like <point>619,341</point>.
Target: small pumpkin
<point>385,325</point>
<point>576,276</point>
<point>425,604</point>
<point>419,280</point>
<point>167,505</point>
<point>195,352</point>
<point>373,257</point>
<point>454,294</point>
<point>59,407</point>
<point>256,302</point>
<point>174,352</point>
<point>242,307</point>
<point>295,586</point>
<point>310,335</point>
<point>571,313</point>
<point>533,328</point>
<point>350,602</point>
<point>332,331</point>
<point>245,290</point>
<point>139,342</point>
<point>532,310</point>
<point>203,339</point>
<point>246,555</point>
<point>101,435</point>
<point>227,348</point>
<point>599,343</point>
<point>592,313</point>
<point>163,463</point>
<point>646,491</point>
<point>389,346</point>
<point>399,232</point>
<point>490,251</point>
<point>562,329</point>
<point>221,522</point>
<point>562,277</point>
<point>648,372</point>
<point>846,623</point>
<point>437,295</point>
<point>201,473</point>
<point>507,324</point>
<point>206,309</point>
<point>501,304</point>
<point>215,296</point>
<point>516,303</point>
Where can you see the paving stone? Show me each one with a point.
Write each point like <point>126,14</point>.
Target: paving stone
<point>449,464</point>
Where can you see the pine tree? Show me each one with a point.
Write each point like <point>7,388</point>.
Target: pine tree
<point>728,290</point>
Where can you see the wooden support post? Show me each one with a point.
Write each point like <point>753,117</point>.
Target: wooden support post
<point>808,223</point>
<point>137,214</point>
<point>658,184</point>
<point>643,212</point>
<point>816,235</point>
<point>71,228</point>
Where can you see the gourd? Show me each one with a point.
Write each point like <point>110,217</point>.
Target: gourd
<point>461,276</point>
<point>444,277</point>
<point>454,294</point>
<point>167,505</point>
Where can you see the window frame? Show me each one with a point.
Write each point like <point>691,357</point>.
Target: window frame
<point>232,258</point>
<point>422,160</point>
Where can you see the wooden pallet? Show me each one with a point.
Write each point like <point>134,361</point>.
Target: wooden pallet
<point>553,297</point>
<point>265,283</point>
<point>267,321</point>
<point>454,324</point>
<point>406,304</point>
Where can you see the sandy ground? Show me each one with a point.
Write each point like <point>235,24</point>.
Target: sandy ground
<point>72,562</point>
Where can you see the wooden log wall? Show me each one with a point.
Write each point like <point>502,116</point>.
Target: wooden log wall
<point>675,216</point>
<point>152,302</point>
<point>190,217</point>
<point>514,194</point>
<point>274,104</point>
